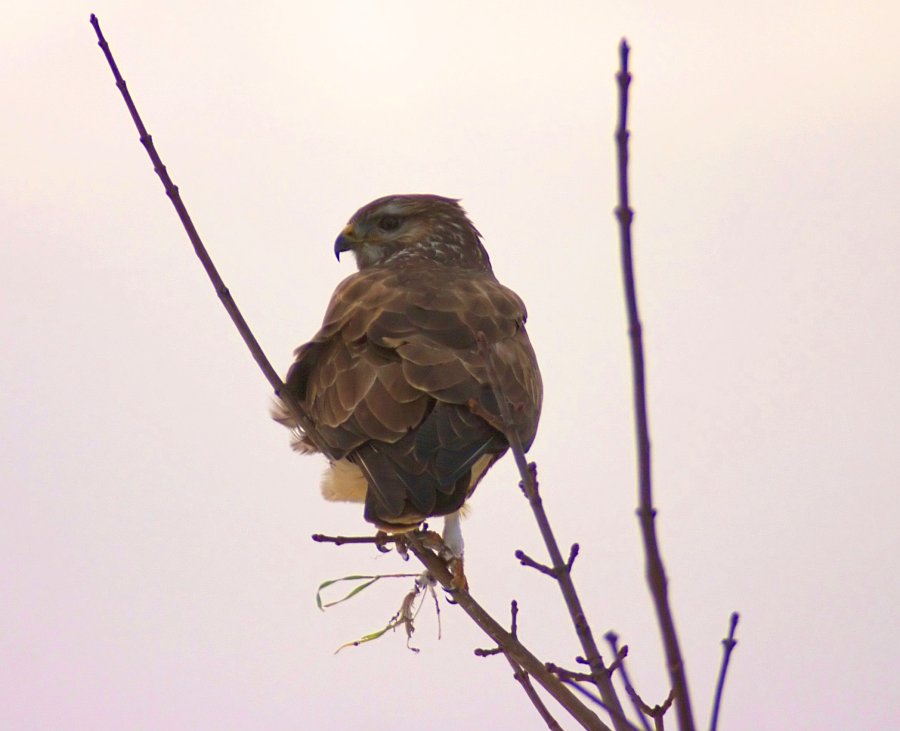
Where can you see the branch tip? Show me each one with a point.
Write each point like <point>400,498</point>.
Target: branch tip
<point>526,560</point>
<point>655,571</point>
<point>199,248</point>
<point>573,554</point>
<point>728,645</point>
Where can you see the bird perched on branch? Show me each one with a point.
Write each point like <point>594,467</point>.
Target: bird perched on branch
<point>398,388</point>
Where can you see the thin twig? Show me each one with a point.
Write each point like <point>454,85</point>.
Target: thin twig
<point>727,647</point>
<point>573,554</point>
<point>657,713</point>
<point>560,567</point>
<point>565,674</point>
<point>525,681</point>
<point>620,659</point>
<point>528,561</point>
<point>221,290</point>
<point>488,651</point>
<point>341,540</point>
<point>656,575</point>
<point>513,630</point>
<point>613,639</point>
<point>505,640</point>
<point>594,698</point>
<point>519,674</point>
<point>380,540</point>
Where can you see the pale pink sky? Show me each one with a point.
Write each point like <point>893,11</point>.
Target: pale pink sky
<point>156,568</point>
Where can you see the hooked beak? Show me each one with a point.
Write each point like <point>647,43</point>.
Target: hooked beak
<point>345,241</point>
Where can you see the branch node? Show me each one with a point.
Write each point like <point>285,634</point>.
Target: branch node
<point>529,484</point>
<point>655,572</point>
<point>565,674</point>
<point>380,540</point>
<point>619,661</point>
<point>728,645</point>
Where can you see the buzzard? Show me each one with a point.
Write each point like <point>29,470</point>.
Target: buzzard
<point>395,386</point>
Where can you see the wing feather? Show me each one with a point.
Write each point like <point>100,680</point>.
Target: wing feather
<point>387,380</point>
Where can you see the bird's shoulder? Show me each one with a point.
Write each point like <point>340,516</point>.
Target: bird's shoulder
<point>388,306</point>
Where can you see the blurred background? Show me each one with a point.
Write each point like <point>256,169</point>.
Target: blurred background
<point>157,570</point>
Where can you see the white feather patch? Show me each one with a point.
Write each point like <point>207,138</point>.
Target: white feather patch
<point>452,535</point>
<point>343,481</point>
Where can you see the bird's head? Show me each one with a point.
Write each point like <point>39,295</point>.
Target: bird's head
<point>408,229</point>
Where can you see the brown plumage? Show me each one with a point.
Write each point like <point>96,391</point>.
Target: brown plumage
<point>387,381</point>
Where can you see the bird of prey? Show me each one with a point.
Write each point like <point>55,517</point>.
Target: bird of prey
<point>395,388</point>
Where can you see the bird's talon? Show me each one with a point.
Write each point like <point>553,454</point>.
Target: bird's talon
<point>459,581</point>
<point>381,540</point>
<point>401,547</point>
<point>432,541</point>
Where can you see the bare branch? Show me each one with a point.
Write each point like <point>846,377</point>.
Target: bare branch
<point>728,645</point>
<point>488,652</point>
<point>529,485</point>
<point>657,713</point>
<point>613,639</point>
<point>596,699</point>
<point>513,630</point>
<point>221,290</point>
<point>619,662</point>
<point>573,554</point>
<point>564,674</point>
<point>654,711</point>
<point>656,576</point>
<point>526,560</point>
<point>380,540</point>
<point>341,540</point>
<point>519,674</point>
<point>510,645</point>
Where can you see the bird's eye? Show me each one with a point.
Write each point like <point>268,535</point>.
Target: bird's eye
<point>389,222</point>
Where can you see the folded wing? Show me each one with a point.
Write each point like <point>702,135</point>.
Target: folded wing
<point>388,380</point>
